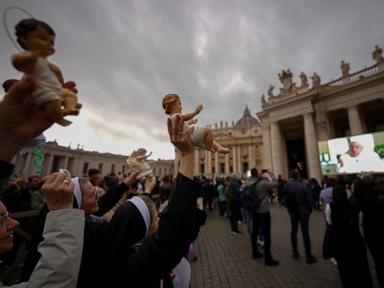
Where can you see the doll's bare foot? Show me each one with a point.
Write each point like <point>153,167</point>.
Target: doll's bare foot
<point>63,122</point>
<point>223,150</point>
<point>216,147</point>
<point>73,111</point>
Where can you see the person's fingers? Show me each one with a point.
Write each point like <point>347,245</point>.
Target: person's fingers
<point>70,85</point>
<point>19,90</point>
<point>180,124</point>
<point>189,131</point>
<point>59,180</point>
<point>132,178</point>
<point>51,178</point>
<point>180,129</point>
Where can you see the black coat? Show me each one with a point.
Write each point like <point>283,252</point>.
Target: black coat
<point>145,263</point>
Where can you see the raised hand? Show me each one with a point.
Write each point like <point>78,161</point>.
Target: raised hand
<point>58,191</point>
<point>180,138</point>
<point>19,122</point>
<point>131,179</point>
<point>149,184</point>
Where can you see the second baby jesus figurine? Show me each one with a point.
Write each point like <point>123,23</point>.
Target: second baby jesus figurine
<point>200,137</point>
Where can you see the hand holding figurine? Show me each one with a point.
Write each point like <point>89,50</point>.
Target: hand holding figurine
<point>200,137</point>
<point>50,96</point>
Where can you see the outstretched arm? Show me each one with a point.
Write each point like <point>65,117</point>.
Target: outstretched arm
<point>144,157</point>
<point>158,254</point>
<point>24,61</point>
<point>189,116</point>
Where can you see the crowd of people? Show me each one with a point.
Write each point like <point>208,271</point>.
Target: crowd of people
<point>93,231</point>
<point>104,231</point>
<point>116,220</point>
<point>353,208</point>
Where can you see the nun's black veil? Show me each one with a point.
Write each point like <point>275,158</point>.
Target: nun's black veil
<point>107,244</point>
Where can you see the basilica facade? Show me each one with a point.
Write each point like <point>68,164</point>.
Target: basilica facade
<point>297,117</point>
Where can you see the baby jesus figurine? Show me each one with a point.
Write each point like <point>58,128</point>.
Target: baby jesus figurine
<point>201,137</point>
<point>138,161</point>
<point>50,98</point>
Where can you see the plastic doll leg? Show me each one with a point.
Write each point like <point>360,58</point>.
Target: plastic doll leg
<point>69,103</point>
<point>63,122</point>
<point>208,140</point>
<point>52,111</point>
<point>218,148</point>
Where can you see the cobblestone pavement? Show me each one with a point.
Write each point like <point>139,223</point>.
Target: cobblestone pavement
<point>225,259</point>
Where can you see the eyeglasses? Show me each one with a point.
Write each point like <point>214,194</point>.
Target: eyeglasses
<point>3,217</point>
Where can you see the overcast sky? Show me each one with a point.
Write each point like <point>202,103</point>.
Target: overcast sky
<point>126,55</point>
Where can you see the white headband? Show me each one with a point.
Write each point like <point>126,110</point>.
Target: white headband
<point>143,209</point>
<point>77,191</point>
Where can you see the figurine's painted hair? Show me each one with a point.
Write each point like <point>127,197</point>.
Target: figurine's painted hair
<point>169,99</point>
<point>26,26</point>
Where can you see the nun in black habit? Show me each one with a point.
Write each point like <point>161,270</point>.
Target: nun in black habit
<point>154,256</point>
<point>130,224</point>
<point>347,243</point>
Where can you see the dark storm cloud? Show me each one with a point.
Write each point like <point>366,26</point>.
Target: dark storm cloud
<point>126,55</point>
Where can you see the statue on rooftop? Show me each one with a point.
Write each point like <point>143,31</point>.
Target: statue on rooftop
<point>263,101</point>
<point>316,81</point>
<point>304,80</point>
<point>286,79</point>
<point>270,91</point>
<point>345,69</point>
<point>377,55</point>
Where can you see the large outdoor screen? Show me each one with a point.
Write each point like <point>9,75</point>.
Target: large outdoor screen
<point>355,154</point>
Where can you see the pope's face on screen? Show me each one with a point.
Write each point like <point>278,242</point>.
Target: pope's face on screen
<point>355,149</point>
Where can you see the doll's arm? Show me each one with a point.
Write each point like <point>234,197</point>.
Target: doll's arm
<point>144,157</point>
<point>189,116</point>
<point>24,61</point>
<point>57,72</point>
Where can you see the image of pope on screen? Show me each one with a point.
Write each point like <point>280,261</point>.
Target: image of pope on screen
<point>352,155</point>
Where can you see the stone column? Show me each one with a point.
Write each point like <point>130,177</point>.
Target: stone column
<point>206,163</point>
<point>239,166</point>
<point>285,161</point>
<point>311,148</point>
<point>65,162</point>
<point>250,158</point>
<point>217,164</point>
<point>267,149</point>
<point>196,154</point>
<point>76,166</point>
<point>277,154</point>
<point>209,163</point>
<point>234,158</point>
<point>226,164</point>
<point>354,121</point>
<point>322,122</point>
<point>49,165</point>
